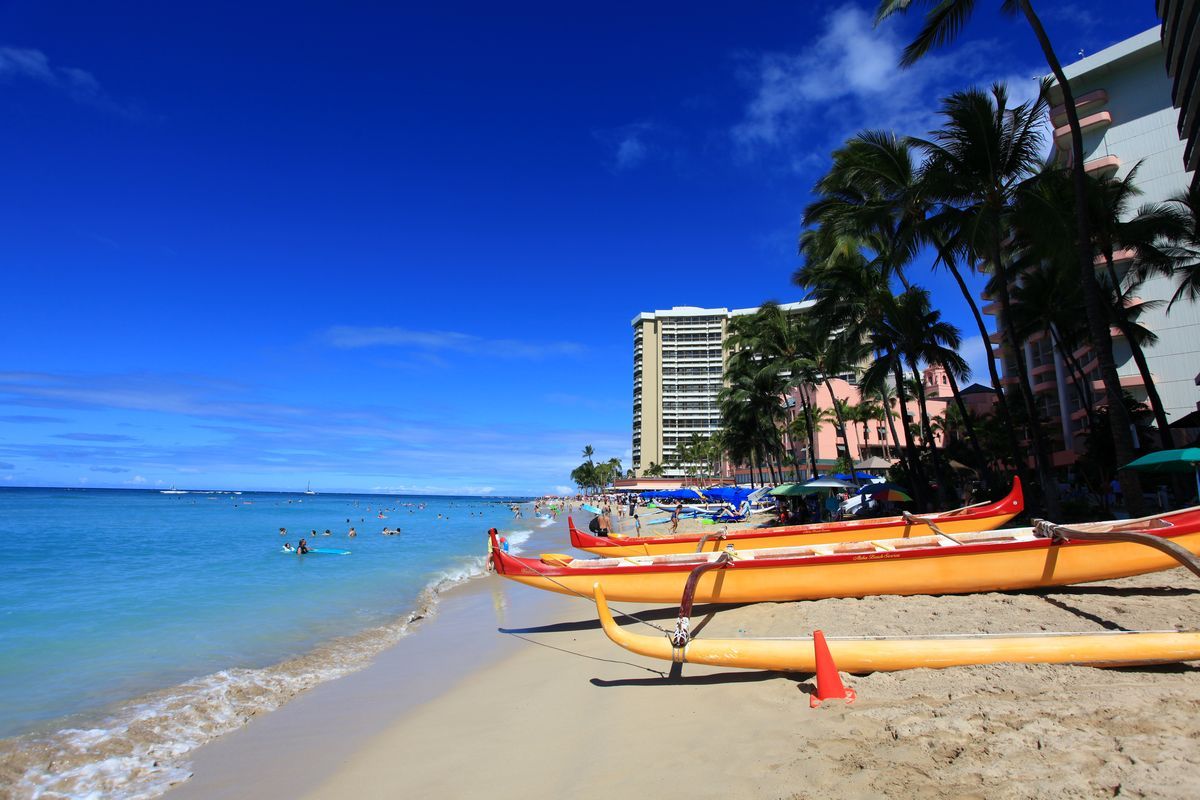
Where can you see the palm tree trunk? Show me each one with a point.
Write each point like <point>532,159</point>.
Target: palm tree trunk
<point>1014,446</point>
<point>1122,424</point>
<point>837,412</point>
<point>930,443</point>
<point>912,460</point>
<point>1165,436</point>
<point>972,439</point>
<point>808,424</point>
<point>1079,377</point>
<point>1041,456</point>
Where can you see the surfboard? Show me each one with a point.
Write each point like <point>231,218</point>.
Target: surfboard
<point>325,551</point>
<point>591,509</point>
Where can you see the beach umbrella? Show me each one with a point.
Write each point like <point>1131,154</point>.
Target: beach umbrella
<point>874,462</point>
<point>885,491</point>
<point>827,482</point>
<point>1186,459</point>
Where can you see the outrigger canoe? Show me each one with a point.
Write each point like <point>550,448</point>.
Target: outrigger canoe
<point>885,654</point>
<point>981,561</point>
<point>980,517</point>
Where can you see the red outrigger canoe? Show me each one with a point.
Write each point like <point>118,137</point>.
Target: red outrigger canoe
<point>980,517</point>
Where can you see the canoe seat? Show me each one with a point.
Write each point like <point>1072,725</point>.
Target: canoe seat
<point>676,558</point>
<point>986,536</point>
<point>854,547</point>
<point>556,559</point>
<point>784,552</point>
<point>1140,525</point>
<point>915,542</point>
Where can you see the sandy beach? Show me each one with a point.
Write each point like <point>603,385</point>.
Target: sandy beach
<point>509,692</point>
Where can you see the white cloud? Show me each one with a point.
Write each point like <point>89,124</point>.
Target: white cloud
<point>631,145</point>
<point>848,78</point>
<point>137,479</point>
<point>351,337</point>
<point>564,490</point>
<point>80,85</point>
<point>975,353</point>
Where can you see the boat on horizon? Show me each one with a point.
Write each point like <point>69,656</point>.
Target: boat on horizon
<point>172,490</point>
<point>981,561</point>
<point>308,489</point>
<point>978,517</point>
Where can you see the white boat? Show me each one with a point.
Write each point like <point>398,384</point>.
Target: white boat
<point>172,490</point>
<point>308,489</point>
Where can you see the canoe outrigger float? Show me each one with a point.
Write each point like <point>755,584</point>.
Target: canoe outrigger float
<point>885,654</point>
<point>979,517</point>
<point>982,561</point>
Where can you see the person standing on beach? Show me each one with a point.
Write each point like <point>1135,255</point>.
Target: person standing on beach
<point>637,525</point>
<point>675,512</point>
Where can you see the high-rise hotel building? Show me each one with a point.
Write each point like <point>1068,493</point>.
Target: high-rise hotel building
<point>678,370</point>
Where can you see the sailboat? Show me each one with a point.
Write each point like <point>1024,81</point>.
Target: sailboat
<point>308,488</point>
<point>172,490</point>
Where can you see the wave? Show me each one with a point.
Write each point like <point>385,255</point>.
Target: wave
<point>141,749</point>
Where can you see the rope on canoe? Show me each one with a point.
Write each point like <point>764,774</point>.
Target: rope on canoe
<point>1063,533</point>
<point>682,634</point>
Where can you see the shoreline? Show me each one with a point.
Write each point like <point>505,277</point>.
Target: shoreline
<point>142,745</point>
<point>516,692</point>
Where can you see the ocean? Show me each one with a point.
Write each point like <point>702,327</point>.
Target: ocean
<point>136,625</point>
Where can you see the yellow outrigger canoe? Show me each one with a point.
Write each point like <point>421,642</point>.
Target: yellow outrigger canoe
<point>979,517</point>
<point>984,561</point>
<point>1108,649</point>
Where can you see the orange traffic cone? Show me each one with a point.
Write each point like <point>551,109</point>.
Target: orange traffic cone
<point>829,683</point>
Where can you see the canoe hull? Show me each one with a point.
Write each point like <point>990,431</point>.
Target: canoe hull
<point>959,569</point>
<point>888,655</point>
<point>984,518</point>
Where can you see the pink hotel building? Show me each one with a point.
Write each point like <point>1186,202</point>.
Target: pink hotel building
<point>1123,95</point>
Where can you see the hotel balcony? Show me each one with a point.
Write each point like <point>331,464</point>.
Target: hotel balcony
<point>1084,104</point>
<point>1102,167</point>
<point>1093,122</point>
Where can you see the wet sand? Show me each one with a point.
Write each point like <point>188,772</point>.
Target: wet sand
<point>510,692</point>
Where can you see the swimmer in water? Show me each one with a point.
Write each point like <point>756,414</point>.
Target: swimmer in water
<point>288,547</point>
<point>302,547</point>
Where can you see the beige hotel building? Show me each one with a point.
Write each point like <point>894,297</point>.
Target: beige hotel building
<point>678,370</point>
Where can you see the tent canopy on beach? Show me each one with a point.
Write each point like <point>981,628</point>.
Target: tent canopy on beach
<point>1184,459</point>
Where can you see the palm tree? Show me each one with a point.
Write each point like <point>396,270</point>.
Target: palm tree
<point>888,342</point>
<point>976,163</point>
<point>752,412</point>
<point>1187,256</point>
<point>588,452</point>
<point>775,341</point>
<point>1109,209</point>
<point>943,21</point>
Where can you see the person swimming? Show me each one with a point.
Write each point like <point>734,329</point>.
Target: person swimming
<point>302,547</point>
<point>287,546</point>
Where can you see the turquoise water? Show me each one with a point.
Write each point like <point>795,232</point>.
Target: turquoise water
<point>120,600</point>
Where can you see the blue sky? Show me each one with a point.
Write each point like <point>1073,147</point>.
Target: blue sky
<point>257,245</point>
